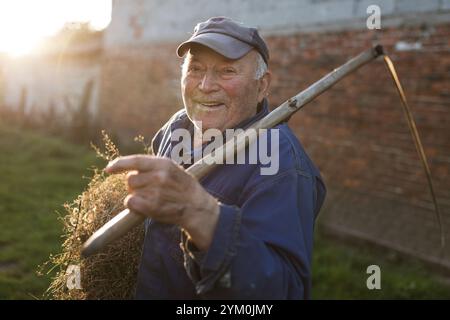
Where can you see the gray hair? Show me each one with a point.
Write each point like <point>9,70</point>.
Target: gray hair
<point>261,66</point>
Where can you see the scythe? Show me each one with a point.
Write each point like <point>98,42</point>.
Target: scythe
<point>126,220</point>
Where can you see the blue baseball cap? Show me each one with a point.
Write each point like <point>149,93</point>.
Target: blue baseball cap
<point>227,37</point>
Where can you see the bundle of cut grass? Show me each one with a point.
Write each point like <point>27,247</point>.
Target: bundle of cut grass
<point>107,275</point>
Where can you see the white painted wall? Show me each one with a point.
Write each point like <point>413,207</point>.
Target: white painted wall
<point>49,83</point>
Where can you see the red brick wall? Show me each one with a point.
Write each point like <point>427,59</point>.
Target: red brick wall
<point>358,136</point>
<point>356,132</point>
<point>139,91</point>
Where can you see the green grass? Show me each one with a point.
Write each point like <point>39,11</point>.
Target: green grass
<point>40,173</point>
<point>339,272</point>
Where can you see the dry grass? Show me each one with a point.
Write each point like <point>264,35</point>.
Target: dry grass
<point>112,273</point>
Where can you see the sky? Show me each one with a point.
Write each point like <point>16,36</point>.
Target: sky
<point>23,23</point>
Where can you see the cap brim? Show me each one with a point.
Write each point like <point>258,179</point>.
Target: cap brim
<point>224,45</point>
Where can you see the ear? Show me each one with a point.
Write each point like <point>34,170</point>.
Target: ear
<point>264,84</point>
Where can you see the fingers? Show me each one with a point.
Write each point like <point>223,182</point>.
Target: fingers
<point>165,212</point>
<point>138,204</point>
<point>138,180</point>
<point>157,187</point>
<point>138,162</point>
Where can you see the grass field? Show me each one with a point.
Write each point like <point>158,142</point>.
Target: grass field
<point>40,173</point>
<point>339,272</point>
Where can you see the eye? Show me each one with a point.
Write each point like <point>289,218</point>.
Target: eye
<point>229,71</point>
<point>194,69</point>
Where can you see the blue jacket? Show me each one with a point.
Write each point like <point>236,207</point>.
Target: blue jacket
<point>262,246</point>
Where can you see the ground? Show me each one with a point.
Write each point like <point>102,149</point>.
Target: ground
<point>39,174</point>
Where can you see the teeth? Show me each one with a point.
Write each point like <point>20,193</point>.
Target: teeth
<point>211,104</point>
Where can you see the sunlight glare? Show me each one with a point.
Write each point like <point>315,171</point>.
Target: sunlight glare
<point>24,23</point>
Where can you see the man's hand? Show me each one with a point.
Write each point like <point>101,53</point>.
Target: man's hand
<point>160,189</point>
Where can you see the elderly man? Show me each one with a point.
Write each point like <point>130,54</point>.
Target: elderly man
<point>235,234</point>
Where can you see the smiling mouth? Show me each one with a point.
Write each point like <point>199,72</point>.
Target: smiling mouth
<point>211,105</point>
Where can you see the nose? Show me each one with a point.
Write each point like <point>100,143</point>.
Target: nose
<point>208,82</point>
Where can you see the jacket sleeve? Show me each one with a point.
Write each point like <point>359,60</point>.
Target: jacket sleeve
<point>261,250</point>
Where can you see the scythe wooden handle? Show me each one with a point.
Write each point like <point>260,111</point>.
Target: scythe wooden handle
<point>127,220</point>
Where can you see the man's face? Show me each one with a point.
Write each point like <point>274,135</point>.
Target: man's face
<point>218,91</point>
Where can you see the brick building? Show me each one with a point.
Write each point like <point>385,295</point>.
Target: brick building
<point>356,132</point>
